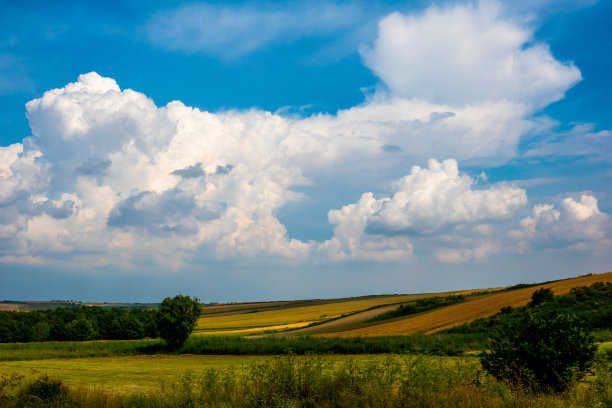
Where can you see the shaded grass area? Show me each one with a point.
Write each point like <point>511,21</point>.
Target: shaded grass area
<point>317,381</point>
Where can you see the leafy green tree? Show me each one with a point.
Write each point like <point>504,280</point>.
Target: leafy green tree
<point>542,295</point>
<point>540,354</point>
<point>177,318</point>
<point>80,329</point>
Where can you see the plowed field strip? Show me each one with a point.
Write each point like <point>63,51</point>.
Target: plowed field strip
<point>450,316</point>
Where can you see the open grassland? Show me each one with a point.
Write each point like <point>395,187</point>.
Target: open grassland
<point>146,373</point>
<point>229,322</point>
<point>76,349</point>
<point>290,381</point>
<point>484,306</point>
<point>124,374</point>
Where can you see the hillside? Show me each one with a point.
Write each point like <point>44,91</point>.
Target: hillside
<point>474,308</point>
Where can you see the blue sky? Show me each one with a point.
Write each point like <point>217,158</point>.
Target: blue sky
<point>271,150</point>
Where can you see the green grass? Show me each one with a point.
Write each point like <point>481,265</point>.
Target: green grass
<point>290,381</point>
<point>77,349</point>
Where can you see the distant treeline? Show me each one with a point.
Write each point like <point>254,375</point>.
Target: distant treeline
<point>592,305</point>
<point>77,323</point>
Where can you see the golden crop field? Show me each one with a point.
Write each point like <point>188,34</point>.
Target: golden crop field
<point>447,317</point>
<point>265,320</point>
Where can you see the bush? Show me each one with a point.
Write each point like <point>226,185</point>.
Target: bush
<point>540,354</point>
<point>177,318</point>
<point>541,295</point>
<point>45,392</point>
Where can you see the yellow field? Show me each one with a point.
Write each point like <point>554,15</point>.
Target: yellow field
<point>447,317</point>
<point>255,330</point>
<point>266,320</point>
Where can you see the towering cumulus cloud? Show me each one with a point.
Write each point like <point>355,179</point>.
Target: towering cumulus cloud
<point>109,178</point>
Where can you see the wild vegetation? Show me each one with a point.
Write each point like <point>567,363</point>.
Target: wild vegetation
<point>533,354</point>
<point>592,306</point>
<point>316,381</point>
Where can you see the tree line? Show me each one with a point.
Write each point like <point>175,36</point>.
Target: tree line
<point>77,323</point>
<point>174,321</point>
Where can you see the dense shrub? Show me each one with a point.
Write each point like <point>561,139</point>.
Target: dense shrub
<point>540,354</point>
<point>540,296</point>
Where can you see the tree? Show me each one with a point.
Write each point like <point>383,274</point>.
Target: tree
<point>540,354</point>
<point>540,296</point>
<point>177,318</point>
<point>80,329</point>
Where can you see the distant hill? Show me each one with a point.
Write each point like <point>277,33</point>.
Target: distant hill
<point>472,309</point>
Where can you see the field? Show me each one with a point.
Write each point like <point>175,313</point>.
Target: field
<point>253,318</point>
<point>348,317</point>
<point>475,308</point>
<point>266,358</point>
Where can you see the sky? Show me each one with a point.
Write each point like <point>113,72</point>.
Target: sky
<point>240,151</point>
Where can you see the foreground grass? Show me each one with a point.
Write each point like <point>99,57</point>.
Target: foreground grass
<point>310,381</point>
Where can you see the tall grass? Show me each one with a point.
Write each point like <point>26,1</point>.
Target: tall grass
<point>77,349</point>
<point>443,345</point>
<point>318,381</point>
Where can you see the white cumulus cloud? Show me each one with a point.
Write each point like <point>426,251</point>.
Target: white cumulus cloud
<point>434,200</point>
<point>465,54</point>
<point>577,224</point>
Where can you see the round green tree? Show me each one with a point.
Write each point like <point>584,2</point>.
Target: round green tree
<point>177,318</point>
<point>539,353</point>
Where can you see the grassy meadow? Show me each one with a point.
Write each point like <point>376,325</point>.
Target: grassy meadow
<point>322,353</point>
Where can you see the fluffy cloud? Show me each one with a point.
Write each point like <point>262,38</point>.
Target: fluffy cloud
<point>111,178</point>
<point>428,200</point>
<point>107,171</point>
<point>578,225</point>
<point>433,200</point>
<point>350,241</point>
<point>465,54</point>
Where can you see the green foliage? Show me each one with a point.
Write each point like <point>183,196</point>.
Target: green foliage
<point>324,382</point>
<point>177,318</point>
<point>592,305</point>
<point>420,305</point>
<point>80,330</point>
<point>540,296</point>
<point>77,323</point>
<point>540,354</point>
<point>438,344</point>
